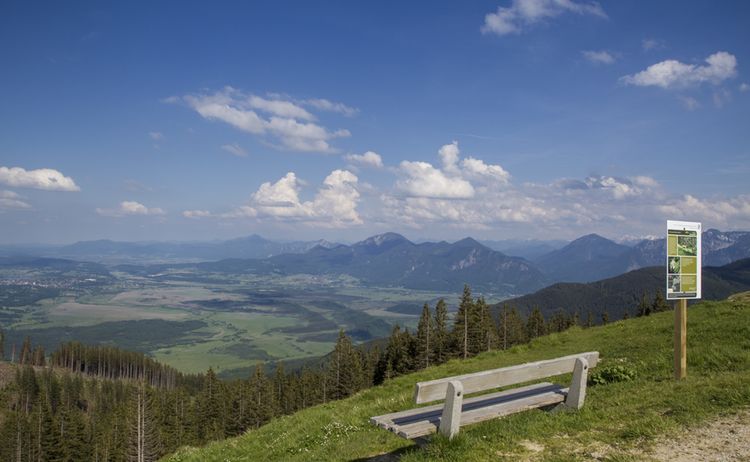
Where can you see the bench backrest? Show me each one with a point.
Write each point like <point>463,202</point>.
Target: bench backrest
<point>486,380</point>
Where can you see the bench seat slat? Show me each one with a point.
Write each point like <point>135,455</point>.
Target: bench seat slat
<point>423,421</point>
<point>435,389</point>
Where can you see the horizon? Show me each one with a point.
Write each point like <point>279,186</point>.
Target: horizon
<point>511,120</point>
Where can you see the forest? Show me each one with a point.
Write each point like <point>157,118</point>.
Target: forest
<point>103,403</point>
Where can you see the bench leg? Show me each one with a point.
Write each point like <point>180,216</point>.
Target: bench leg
<point>577,390</point>
<point>451,418</point>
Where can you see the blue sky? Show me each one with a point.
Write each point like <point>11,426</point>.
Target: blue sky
<point>339,120</point>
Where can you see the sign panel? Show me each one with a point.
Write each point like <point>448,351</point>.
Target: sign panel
<point>683,260</point>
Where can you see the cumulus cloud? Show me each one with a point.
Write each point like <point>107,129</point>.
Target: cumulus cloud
<point>130,208</point>
<point>718,211</point>
<point>44,178</point>
<point>334,204</point>
<point>234,149</point>
<point>421,179</point>
<point>598,57</point>
<point>11,200</point>
<point>744,87</point>
<point>477,168</point>
<point>281,120</point>
<point>368,159</point>
<point>524,13</point>
<point>156,136</point>
<point>719,67</point>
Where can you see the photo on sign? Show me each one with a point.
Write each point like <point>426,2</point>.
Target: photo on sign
<point>673,283</point>
<point>674,265</point>
<point>687,245</point>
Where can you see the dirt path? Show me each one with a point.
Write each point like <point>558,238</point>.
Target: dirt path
<point>726,439</point>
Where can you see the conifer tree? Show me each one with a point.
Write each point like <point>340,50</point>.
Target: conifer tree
<point>535,325</point>
<point>424,332</point>
<point>211,407</point>
<point>605,317</point>
<point>488,333</point>
<point>344,369</point>
<point>463,322</point>
<point>589,319</point>
<point>261,397</point>
<point>644,307</point>
<point>440,333</point>
<point>659,304</point>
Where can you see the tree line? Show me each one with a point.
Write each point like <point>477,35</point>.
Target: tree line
<point>102,403</point>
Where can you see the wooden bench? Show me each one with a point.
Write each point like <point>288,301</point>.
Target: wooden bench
<point>457,411</point>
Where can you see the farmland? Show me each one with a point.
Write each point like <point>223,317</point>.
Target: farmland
<point>195,320</point>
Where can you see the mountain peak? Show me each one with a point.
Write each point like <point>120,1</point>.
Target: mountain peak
<point>383,239</point>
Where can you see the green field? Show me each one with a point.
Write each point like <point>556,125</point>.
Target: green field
<point>194,321</point>
<point>623,416</point>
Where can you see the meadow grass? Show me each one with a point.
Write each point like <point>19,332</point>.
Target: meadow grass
<point>618,417</point>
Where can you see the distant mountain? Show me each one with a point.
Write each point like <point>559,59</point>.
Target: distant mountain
<point>113,252</point>
<point>391,259</point>
<point>528,249</point>
<point>624,292</point>
<point>588,258</point>
<point>593,257</point>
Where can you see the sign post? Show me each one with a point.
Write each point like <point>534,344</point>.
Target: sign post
<point>683,282</point>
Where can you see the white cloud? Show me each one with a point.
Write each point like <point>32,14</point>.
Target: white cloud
<point>674,74</point>
<point>423,180</point>
<point>744,87</point>
<point>368,159</point>
<point>334,204</point>
<point>524,13</point>
<point>330,106</point>
<point>280,108</point>
<point>449,156</point>
<point>11,200</point>
<point>44,178</point>
<point>156,136</point>
<point>454,180</point>
<point>130,208</point>
<point>196,214</point>
<point>285,122</point>
<point>598,57</point>
<point>689,103</point>
<point>476,167</point>
<point>234,149</point>
<point>719,212</point>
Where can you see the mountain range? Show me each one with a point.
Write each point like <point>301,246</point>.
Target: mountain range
<point>392,260</point>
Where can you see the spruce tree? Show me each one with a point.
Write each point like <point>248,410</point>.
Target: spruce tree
<point>440,333</point>
<point>644,307</point>
<point>463,323</point>
<point>659,304</point>
<point>424,332</point>
<point>344,368</point>
<point>488,333</point>
<point>535,325</point>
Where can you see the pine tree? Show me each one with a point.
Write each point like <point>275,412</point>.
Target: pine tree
<point>440,333</point>
<point>659,304</point>
<point>463,323</point>
<point>488,333</point>
<point>344,368</point>
<point>644,307</point>
<point>261,397</point>
<point>535,325</point>
<point>424,332</point>
<point>144,441</point>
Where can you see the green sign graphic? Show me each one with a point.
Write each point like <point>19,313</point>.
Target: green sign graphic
<point>683,260</point>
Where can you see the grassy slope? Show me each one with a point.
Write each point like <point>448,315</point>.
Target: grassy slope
<point>617,417</point>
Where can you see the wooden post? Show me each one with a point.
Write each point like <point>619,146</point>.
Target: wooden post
<point>577,390</point>
<point>680,339</point>
<point>450,421</point>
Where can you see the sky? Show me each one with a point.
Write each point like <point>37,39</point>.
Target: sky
<point>509,119</point>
